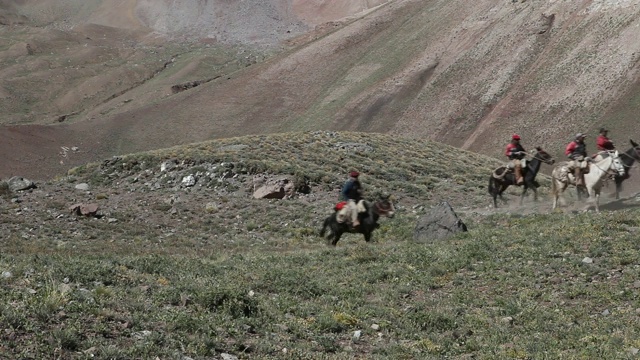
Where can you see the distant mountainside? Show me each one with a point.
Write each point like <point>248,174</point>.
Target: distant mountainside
<point>113,77</point>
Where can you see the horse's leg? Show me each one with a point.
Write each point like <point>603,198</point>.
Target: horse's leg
<point>493,190</point>
<point>618,187</point>
<point>502,189</point>
<point>556,190</point>
<point>524,192</point>
<point>324,226</point>
<point>535,193</point>
<point>336,237</point>
<point>367,236</point>
<point>595,193</point>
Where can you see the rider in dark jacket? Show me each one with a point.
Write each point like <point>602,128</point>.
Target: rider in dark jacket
<point>352,189</point>
<point>352,193</point>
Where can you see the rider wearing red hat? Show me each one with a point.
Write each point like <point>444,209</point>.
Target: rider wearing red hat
<point>516,154</point>
<point>352,194</point>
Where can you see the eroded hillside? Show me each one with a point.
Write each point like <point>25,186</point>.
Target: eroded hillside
<point>467,74</point>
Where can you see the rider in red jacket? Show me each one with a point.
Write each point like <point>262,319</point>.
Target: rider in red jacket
<point>602,142</point>
<point>516,152</point>
<point>577,151</point>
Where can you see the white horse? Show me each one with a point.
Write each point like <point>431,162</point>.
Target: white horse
<point>561,177</point>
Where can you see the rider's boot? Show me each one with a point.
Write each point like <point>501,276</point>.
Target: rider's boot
<point>518,171</point>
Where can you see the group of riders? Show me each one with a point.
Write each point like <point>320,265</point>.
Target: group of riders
<point>351,194</point>
<point>576,151</point>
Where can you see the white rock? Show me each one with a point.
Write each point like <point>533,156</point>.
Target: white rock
<point>356,335</point>
<point>188,181</point>
<point>82,187</point>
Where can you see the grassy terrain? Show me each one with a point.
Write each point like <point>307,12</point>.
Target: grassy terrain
<point>214,271</point>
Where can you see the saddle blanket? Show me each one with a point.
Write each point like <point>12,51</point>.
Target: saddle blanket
<point>344,209</point>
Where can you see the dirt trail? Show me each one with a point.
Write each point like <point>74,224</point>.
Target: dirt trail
<point>629,199</point>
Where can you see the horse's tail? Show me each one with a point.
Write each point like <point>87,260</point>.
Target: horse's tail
<point>326,223</point>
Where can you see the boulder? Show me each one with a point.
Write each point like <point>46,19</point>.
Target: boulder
<point>277,187</point>
<point>17,183</point>
<point>84,209</point>
<point>439,223</point>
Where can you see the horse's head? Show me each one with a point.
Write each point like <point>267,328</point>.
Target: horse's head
<point>384,206</point>
<point>616,163</point>
<point>544,156</point>
<point>634,152</point>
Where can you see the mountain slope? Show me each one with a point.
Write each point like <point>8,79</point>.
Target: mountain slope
<point>467,74</point>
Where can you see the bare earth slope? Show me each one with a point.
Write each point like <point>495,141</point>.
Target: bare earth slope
<point>465,73</point>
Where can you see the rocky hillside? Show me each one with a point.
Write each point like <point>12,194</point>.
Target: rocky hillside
<point>245,189</point>
<point>184,253</point>
<point>466,74</point>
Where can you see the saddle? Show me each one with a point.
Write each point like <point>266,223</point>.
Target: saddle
<point>508,168</point>
<point>342,211</point>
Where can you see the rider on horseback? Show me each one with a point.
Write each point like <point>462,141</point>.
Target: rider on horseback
<point>577,152</point>
<point>602,142</point>
<point>352,194</point>
<point>516,154</point>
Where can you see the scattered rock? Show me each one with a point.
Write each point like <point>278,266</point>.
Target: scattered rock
<point>141,334</point>
<point>507,320</point>
<point>18,183</point>
<point>84,209</point>
<point>375,327</point>
<point>352,147</point>
<point>356,335</point>
<point>189,181</point>
<point>587,260</point>
<point>440,222</point>
<point>83,187</point>
<point>168,165</point>
<point>226,356</point>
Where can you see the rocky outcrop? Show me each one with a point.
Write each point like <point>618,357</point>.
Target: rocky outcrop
<point>277,187</point>
<point>18,183</point>
<point>439,223</point>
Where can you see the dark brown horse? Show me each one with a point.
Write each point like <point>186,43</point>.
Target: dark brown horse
<point>368,221</point>
<point>499,182</point>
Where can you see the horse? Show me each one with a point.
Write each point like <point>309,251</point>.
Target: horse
<point>593,180</point>
<point>628,158</point>
<point>368,221</point>
<point>499,181</point>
